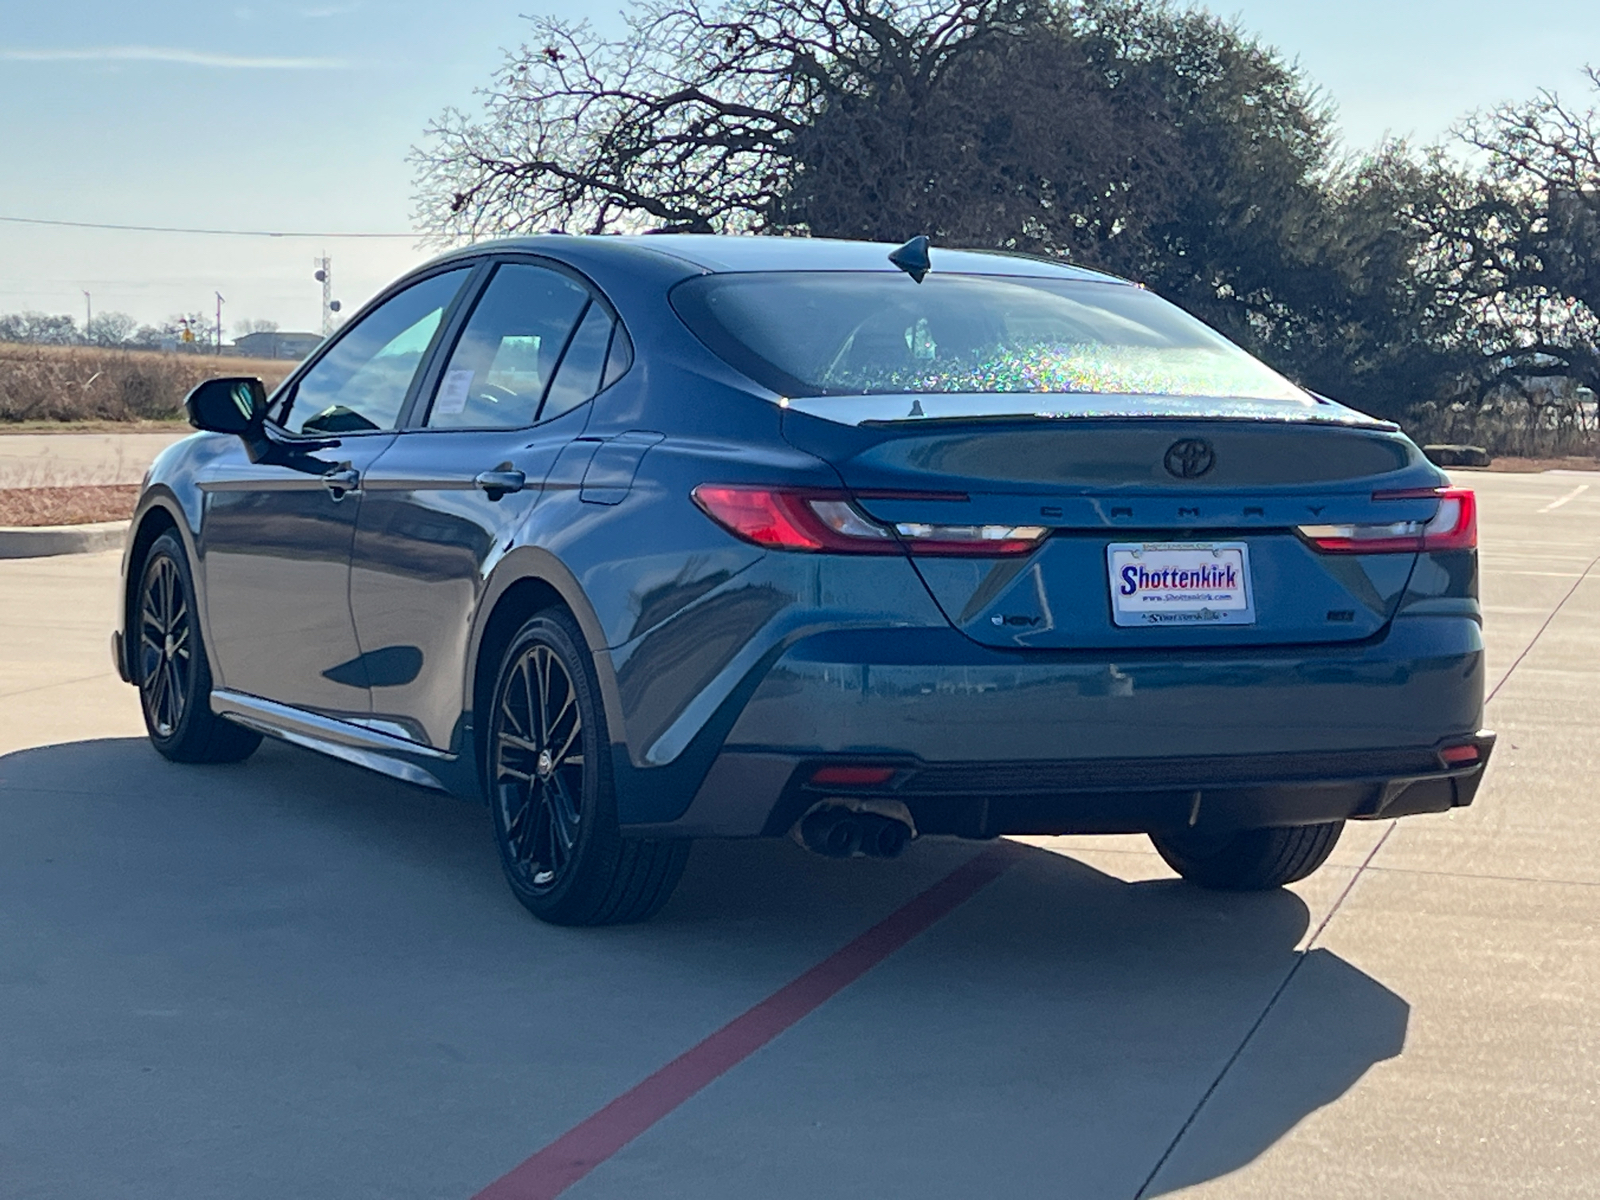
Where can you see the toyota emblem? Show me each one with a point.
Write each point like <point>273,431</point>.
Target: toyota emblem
<point>1190,458</point>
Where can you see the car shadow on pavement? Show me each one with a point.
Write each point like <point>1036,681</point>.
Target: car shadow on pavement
<point>1063,1033</point>
<point>317,931</point>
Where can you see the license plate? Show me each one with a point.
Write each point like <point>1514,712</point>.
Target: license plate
<point>1181,583</point>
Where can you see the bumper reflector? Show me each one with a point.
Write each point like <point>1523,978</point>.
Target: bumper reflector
<point>852,776</point>
<point>1459,756</point>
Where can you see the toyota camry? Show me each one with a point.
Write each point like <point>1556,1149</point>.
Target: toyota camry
<point>646,539</point>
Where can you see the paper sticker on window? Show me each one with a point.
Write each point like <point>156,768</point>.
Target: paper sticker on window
<point>453,392</point>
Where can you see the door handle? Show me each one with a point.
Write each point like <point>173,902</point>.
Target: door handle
<point>341,481</point>
<point>499,483</point>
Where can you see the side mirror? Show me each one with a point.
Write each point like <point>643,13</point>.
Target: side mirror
<point>237,406</point>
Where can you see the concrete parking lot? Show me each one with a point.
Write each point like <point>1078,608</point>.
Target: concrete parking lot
<point>293,979</point>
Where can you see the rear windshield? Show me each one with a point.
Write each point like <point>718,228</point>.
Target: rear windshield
<point>836,333</point>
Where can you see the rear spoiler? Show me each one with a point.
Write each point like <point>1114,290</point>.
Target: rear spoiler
<point>943,407</point>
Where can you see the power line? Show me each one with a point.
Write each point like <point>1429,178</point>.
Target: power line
<point>266,233</point>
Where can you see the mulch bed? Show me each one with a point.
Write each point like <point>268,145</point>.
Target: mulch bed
<point>32,506</point>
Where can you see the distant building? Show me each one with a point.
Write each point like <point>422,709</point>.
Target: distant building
<point>277,344</point>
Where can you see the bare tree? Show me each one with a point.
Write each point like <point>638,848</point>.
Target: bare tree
<point>1157,142</point>
<point>688,121</point>
<point>111,329</point>
<point>39,328</point>
<point>1160,143</point>
<point>1519,245</point>
<point>1066,128</point>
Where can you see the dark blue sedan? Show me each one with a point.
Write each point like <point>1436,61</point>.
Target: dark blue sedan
<point>648,539</point>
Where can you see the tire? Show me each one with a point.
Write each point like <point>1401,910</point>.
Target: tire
<point>170,666</point>
<point>547,771</point>
<point>1250,860</point>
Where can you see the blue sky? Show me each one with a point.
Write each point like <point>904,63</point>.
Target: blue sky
<point>298,114</point>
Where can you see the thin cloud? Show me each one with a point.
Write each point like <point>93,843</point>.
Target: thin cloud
<point>168,54</point>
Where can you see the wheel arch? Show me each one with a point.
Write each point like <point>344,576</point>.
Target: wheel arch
<point>156,519</point>
<point>528,581</point>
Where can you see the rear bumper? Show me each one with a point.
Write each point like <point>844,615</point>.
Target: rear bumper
<point>986,742</point>
<point>985,800</point>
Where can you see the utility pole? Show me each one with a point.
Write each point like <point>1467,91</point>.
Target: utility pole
<point>88,314</point>
<point>219,323</point>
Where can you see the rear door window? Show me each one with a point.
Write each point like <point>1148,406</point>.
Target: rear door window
<point>582,366</point>
<point>510,351</point>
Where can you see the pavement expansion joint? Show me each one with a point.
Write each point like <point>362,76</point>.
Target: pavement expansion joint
<point>59,683</point>
<point>1261,1019</point>
<point>1487,877</point>
<point>1534,640</point>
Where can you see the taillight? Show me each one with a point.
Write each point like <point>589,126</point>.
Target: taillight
<point>787,520</point>
<point>813,519</point>
<point>1453,527</point>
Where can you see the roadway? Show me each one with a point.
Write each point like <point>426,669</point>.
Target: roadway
<point>78,459</point>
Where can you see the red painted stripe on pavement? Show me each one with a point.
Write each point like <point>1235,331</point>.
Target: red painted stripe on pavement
<point>588,1144</point>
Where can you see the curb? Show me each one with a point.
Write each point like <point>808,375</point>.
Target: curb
<point>42,541</point>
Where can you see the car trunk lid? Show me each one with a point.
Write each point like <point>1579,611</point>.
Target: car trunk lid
<point>1182,495</point>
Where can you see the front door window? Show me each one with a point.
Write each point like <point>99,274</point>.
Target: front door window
<point>360,385</point>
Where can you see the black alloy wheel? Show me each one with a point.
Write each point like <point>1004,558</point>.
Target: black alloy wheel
<point>539,766</point>
<point>166,650</point>
<point>170,666</point>
<point>550,792</point>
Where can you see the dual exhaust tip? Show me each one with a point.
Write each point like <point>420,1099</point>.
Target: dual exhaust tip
<point>854,828</point>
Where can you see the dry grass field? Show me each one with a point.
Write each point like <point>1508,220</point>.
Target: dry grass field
<point>34,506</point>
<point>86,383</point>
